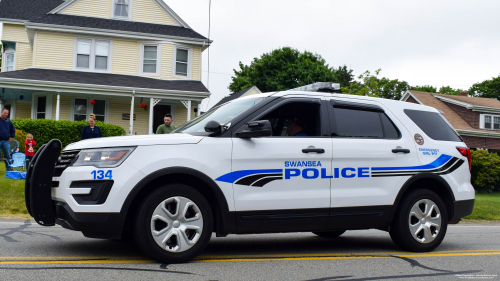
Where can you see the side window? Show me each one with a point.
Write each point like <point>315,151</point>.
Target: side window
<point>362,123</point>
<point>433,125</point>
<point>295,119</point>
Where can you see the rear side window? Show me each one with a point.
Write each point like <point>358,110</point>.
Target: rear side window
<point>433,125</point>
<point>352,123</point>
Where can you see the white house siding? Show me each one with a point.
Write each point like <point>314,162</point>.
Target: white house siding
<point>24,56</point>
<point>14,33</point>
<point>125,57</point>
<point>53,51</point>
<point>149,11</point>
<point>23,110</point>
<point>90,8</point>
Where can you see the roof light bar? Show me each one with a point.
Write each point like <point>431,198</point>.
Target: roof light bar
<point>320,87</point>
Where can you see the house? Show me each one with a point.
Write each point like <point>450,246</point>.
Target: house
<point>477,120</point>
<point>247,92</point>
<point>128,61</point>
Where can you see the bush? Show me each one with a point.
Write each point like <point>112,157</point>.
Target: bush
<point>21,138</point>
<point>43,130</point>
<point>485,173</point>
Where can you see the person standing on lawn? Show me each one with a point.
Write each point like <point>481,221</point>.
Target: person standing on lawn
<point>30,149</point>
<point>7,133</point>
<point>91,131</point>
<point>167,127</point>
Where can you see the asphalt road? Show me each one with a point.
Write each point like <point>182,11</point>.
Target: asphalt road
<point>32,252</point>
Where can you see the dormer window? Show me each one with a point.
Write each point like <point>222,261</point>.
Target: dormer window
<point>92,54</point>
<point>489,122</point>
<point>121,9</point>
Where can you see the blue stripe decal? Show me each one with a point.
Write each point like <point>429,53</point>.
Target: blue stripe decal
<point>236,175</point>
<point>436,164</point>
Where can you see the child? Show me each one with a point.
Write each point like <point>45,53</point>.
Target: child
<point>30,149</point>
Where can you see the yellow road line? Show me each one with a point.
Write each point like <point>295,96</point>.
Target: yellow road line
<point>335,254</point>
<point>350,257</point>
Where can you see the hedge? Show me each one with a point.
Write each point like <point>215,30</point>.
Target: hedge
<point>485,172</point>
<point>43,130</point>
<point>21,138</point>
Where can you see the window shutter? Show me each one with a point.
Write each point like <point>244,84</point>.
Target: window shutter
<point>481,121</point>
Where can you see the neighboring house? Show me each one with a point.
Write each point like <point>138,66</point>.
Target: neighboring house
<point>66,59</point>
<point>477,120</point>
<point>247,92</point>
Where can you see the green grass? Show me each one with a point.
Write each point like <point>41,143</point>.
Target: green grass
<point>486,208</point>
<point>11,197</point>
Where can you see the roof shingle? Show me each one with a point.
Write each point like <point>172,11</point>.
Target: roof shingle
<point>105,79</point>
<point>27,9</point>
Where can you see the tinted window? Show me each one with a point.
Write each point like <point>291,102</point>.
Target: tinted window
<point>389,129</point>
<point>295,119</point>
<point>433,125</point>
<point>358,123</point>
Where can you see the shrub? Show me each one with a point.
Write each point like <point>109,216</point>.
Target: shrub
<point>21,138</point>
<point>43,130</point>
<point>485,173</point>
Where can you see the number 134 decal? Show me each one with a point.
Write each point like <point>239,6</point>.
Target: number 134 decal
<point>101,174</point>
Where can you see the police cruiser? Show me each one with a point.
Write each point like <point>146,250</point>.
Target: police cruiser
<point>289,161</point>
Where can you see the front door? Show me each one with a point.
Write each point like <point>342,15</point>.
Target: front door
<point>282,183</point>
<point>159,112</point>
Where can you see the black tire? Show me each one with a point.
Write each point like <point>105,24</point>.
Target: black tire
<point>330,234</point>
<point>400,226</point>
<point>142,225</point>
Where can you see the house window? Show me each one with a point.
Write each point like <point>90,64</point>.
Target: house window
<point>41,105</point>
<point>121,8</point>
<point>80,109</point>
<point>99,109</point>
<point>181,62</point>
<point>9,64</point>
<point>92,54</point>
<point>490,122</point>
<point>150,59</point>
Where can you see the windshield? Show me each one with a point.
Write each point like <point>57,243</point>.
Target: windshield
<point>222,114</point>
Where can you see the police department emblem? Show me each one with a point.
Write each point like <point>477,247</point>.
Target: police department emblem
<point>419,139</point>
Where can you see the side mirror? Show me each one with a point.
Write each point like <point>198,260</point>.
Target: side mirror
<point>261,128</point>
<point>213,127</point>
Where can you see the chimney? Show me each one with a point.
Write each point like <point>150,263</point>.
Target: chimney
<point>463,94</point>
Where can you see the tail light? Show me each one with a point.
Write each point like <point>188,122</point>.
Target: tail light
<point>465,151</point>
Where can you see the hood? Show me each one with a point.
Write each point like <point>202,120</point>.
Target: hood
<point>138,140</point>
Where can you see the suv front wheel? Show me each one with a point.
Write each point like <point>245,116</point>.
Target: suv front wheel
<point>174,224</point>
<point>420,223</point>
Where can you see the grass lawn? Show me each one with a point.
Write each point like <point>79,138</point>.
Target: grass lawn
<point>486,208</point>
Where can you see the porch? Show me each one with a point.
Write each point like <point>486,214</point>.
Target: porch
<point>37,93</point>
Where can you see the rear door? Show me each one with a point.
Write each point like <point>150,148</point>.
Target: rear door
<point>372,151</point>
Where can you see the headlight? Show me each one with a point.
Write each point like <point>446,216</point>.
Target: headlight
<point>103,157</point>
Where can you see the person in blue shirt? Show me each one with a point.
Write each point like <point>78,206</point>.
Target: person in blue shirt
<point>7,133</point>
<point>91,131</point>
<point>296,126</point>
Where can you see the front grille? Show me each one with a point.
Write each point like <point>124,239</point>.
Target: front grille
<point>67,157</point>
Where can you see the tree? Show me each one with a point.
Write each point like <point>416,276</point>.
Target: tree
<point>426,88</point>
<point>344,76</point>
<point>447,90</point>
<point>371,85</point>
<point>281,70</point>
<point>486,89</point>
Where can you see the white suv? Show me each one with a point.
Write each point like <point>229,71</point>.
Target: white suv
<point>276,162</point>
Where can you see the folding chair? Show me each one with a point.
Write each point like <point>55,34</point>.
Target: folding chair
<point>14,145</point>
<point>18,162</point>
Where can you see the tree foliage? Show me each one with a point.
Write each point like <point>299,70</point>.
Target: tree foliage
<point>283,69</point>
<point>344,76</point>
<point>486,89</point>
<point>447,90</point>
<point>426,88</point>
<point>485,172</point>
<point>370,85</point>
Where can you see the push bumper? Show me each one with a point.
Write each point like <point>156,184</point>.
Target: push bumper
<point>462,209</point>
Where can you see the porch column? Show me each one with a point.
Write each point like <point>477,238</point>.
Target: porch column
<point>131,126</point>
<point>152,103</point>
<point>1,105</point>
<point>189,110</point>
<point>58,105</point>
<point>198,107</point>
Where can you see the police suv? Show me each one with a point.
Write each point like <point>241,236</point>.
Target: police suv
<point>275,162</point>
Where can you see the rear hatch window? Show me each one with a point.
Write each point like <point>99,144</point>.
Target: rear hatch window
<point>433,125</point>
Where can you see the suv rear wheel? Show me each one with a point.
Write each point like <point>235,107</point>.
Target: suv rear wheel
<point>420,223</point>
<point>174,224</point>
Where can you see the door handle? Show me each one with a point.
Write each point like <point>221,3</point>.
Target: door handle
<point>317,150</point>
<point>397,150</point>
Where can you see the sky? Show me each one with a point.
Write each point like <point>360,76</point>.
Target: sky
<point>437,43</point>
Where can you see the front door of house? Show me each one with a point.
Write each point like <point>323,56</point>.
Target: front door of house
<point>159,112</point>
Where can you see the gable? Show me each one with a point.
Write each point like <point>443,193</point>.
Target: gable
<point>142,10</point>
